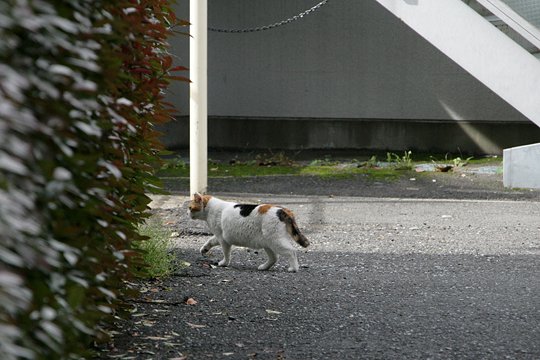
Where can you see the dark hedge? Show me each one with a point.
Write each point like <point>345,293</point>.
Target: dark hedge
<point>81,86</point>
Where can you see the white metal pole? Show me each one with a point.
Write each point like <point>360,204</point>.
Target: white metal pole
<point>198,114</point>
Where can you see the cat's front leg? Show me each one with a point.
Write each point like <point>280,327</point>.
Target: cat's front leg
<point>226,254</point>
<point>213,241</point>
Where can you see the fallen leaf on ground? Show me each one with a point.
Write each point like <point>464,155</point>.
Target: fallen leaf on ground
<point>153,301</point>
<point>157,338</point>
<point>195,326</point>
<point>191,301</point>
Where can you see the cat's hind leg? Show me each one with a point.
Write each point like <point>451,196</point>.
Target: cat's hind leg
<point>293,260</point>
<point>284,248</point>
<point>272,258</point>
<point>226,254</point>
<point>213,241</point>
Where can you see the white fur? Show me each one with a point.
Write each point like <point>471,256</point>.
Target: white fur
<point>256,231</point>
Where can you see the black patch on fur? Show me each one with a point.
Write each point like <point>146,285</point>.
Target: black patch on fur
<point>282,215</point>
<point>295,232</point>
<point>245,209</point>
<point>292,228</point>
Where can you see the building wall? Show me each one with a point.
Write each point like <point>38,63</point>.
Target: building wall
<point>351,60</point>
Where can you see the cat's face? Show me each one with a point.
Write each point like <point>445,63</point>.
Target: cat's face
<point>195,209</point>
<point>197,206</point>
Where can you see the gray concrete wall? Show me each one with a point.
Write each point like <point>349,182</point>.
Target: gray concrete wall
<point>349,60</point>
<point>437,136</point>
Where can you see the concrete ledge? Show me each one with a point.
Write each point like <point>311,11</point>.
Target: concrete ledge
<point>522,167</point>
<point>440,136</point>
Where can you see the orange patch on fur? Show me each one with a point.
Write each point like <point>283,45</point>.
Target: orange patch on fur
<point>195,205</point>
<point>206,199</point>
<point>263,209</point>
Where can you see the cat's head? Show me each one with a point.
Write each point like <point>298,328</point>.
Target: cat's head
<point>197,208</point>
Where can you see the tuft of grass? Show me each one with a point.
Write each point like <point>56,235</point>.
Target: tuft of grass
<point>327,161</point>
<point>370,163</point>
<point>459,162</point>
<point>404,162</point>
<point>155,249</point>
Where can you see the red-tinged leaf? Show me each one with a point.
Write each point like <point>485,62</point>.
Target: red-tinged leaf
<point>166,103</point>
<point>167,62</point>
<point>179,68</point>
<point>183,23</point>
<point>171,111</point>
<point>161,118</point>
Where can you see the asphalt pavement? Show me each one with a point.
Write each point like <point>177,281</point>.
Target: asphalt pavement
<point>383,278</point>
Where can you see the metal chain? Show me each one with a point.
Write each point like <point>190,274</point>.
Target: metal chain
<point>274,25</point>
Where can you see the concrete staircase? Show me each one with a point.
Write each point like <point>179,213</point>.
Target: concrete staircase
<point>492,56</point>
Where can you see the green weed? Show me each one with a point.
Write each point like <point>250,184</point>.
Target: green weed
<point>175,163</point>
<point>370,163</point>
<point>404,162</point>
<point>156,249</point>
<point>459,162</point>
<point>327,161</point>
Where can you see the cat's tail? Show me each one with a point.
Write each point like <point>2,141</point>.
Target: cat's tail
<point>286,216</point>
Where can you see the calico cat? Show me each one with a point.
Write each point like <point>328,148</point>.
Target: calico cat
<point>263,226</point>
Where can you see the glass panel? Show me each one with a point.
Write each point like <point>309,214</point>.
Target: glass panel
<point>527,9</point>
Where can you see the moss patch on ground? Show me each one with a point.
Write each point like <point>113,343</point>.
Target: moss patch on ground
<point>337,171</point>
<point>393,166</point>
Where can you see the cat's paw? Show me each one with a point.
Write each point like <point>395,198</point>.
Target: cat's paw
<point>264,267</point>
<point>223,263</point>
<point>292,269</point>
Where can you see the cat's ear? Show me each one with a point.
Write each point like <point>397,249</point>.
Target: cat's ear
<point>197,197</point>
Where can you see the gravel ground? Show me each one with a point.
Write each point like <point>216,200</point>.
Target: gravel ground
<point>408,269</point>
